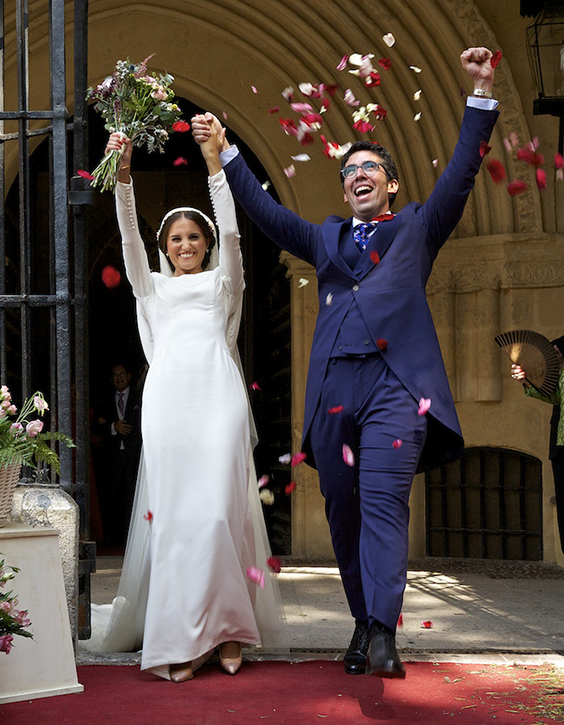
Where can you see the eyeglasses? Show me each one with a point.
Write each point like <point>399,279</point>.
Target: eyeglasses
<point>370,168</point>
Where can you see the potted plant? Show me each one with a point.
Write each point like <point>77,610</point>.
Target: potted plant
<point>23,442</point>
<point>12,621</point>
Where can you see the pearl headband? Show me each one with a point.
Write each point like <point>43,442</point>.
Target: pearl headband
<point>178,209</point>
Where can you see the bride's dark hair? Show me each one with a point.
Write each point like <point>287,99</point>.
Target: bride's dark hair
<point>200,221</point>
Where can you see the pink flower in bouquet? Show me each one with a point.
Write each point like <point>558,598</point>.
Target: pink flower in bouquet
<point>6,643</point>
<point>159,94</point>
<point>17,427</point>
<point>33,428</point>
<point>40,403</point>
<point>21,619</point>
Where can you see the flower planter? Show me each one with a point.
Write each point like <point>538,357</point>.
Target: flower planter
<point>9,476</point>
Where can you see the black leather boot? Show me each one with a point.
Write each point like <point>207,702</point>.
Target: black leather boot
<point>383,659</point>
<point>355,658</point>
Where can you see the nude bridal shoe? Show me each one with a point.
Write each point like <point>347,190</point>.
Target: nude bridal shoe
<point>230,657</point>
<point>181,672</point>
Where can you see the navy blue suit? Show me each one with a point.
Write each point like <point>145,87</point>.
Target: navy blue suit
<point>367,504</point>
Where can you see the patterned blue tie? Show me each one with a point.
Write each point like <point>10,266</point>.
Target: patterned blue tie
<point>361,234</point>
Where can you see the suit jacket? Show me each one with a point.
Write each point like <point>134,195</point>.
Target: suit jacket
<point>132,415</point>
<point>391,294</point>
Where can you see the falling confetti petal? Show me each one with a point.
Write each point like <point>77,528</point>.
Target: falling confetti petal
<point>298,458</point>
<point>374,257</point>
<point>417,116</point>
<point>558,161</point>
<point>348,456</point>
<point>148,516</point>
<point>329,299</point>
<point>255,386</point>
<point>427,624</point>
<point>381,344</point>
<point>386,63</point>
<point>496,57</point>
<point>350,99</point>
<point>302,282</point>
<point>435,163</point>
<point>180,161</point>
<point>290,487</point>
<point>484,149</point>
<point>336,409</point>
<point>417,95</point>
<point>507,144</point>
<point>274,564</point>
<point>301,107</point>
<point>424,405</point>
<point>514,138</point>
<point>400,620</point>
<point>266,496</point>
<point>541,179</point>
<point>343,63</point>
<point>85,174</point>
<point>288,93</point>
<point>110,276</point>
<point>253,89</point>
<point>266,185</point>
<point>256,575</point>
<point>181,126</point>
<point>263,480</point>
<point>389,39</point>
<point>397,443</point>
<point>415,68</point>
<point>285,459</point>
<point>224,115</point>
<point>516,187</point>
<point>290,171</point>
<point>301,157</point>
<point>274,110</point>
<point>495,167</point>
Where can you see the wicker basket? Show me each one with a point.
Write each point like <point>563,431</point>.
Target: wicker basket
<point>9,476</point>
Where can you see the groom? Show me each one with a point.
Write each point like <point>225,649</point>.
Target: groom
<point>376,354</point>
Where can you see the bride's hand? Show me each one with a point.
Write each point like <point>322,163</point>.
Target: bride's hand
<point>117,142</point>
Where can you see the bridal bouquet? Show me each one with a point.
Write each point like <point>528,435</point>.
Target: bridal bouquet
<point>12,620</point>
<point>21,439</point>
<point>138,105</point>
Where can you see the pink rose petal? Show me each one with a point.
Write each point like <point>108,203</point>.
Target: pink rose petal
<point>255,386</point>
<point>298,458</point>
<point>336,409</point>
<point>424,405</point>
<point>397,443</point>
<point>263,480</point>
<point>256,575</point>
<point>290,171</point>
<point>343,62</point>
<point>558,161</point>
<point>253,89</point>
<point>180,161</point>
<point>85,174</point>
<point>348,455</point>
<point>516,187</point>
<point>275,109</point>
<point>541,179</point>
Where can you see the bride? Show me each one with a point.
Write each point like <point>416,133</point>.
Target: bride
<point>197,523</point>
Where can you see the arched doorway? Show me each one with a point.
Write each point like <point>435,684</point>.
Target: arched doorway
<point>487,505</point>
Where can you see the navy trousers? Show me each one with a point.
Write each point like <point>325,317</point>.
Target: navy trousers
<point>367,504</point>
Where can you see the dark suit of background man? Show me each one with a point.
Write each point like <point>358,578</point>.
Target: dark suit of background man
<point>119,423</point>
<point>379,385</point>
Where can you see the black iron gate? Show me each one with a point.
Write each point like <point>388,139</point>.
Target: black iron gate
<point>43,335</point>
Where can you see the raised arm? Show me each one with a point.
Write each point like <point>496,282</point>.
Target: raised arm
<point>230,258</point>
<point>134,255</point>
<point>444,208</point>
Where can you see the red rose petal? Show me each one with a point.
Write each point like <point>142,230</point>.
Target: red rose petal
<point>148,516</point>
<point>181,126</point>
<point>336,409</point>
<point>374,257</point>
<point>386,63</point>
<point>381,344</point>
<point>298,458</point>
<point>110,276</point>
<point>495,167</point>
<point>516,187</point>
<point>427,624</point>
<point>180,161</point>
<point>255,386</point>
<point>484,149</point>
<point>496,57</point>
<point>400,620</point>
<point>290,487</point>
<point>85,174</point>
<point>274,564</point>
<point>275,109</point>
<point>541,179</point>
<point>559,161</point>
<point>397,443</point>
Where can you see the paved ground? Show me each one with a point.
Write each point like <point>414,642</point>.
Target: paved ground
<point>481,611</point>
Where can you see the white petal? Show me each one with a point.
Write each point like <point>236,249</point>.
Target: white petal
<point>415,69</point>
<point>266,184</point>
<point>417,95</point>
<point>389,39</point>
<point>301,157</point>
<point>329,300</point>
<point>302,282</point>
<point>417,116</point>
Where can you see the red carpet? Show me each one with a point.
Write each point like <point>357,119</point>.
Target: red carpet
<point>305,692</point>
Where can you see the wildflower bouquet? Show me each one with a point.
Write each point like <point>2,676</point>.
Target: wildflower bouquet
<point>21,439</point>
<point>138,105</point>
<point>12,620</point>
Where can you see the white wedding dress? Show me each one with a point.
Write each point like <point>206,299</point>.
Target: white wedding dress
<point>197,522</point>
